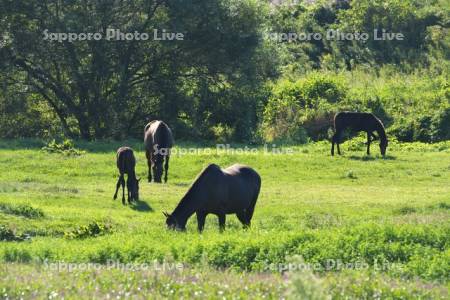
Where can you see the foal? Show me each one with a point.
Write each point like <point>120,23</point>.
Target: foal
<point>126,163</point>
<point>356,121</point>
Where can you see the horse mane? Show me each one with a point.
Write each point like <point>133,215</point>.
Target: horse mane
<point>194,187</point>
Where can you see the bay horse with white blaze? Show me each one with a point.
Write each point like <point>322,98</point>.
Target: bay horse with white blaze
<point>233,190</point>
<point>126,163</point>
<point>355,122</point>
<point>158,140</point>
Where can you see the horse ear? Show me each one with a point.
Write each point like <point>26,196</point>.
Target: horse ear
<point>166,214</point>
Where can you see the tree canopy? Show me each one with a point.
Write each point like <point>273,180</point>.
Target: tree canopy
<point>213,80</point>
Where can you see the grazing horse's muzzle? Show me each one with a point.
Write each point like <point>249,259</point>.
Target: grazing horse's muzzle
<point>158,171</point>
<point>172,223</point>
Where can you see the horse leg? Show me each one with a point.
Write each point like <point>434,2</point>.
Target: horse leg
<point>156,174</point>
<point>201,216</point>
<point>122,182</point>
<point>332,144</point>
<point>129,199</point>
<point>166,168</point>
<point>339,140</point>
<point>337,137</point>
<point>368,142</point>
<point>117,187</point>
<point>148,154</point>
<point>242,216</point>
<point>157,165</point>
<point>222,221</point>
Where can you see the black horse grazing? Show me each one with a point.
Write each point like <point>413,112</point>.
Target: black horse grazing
<point>158,141</point>
<point>359,122</point>
<point>233,190</point>
<point>126,163</point>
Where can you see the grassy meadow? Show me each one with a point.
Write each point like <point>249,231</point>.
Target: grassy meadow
<point>360,226</point>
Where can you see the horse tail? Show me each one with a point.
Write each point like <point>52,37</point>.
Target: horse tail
<point>166,135</point>
<point>251,208</point>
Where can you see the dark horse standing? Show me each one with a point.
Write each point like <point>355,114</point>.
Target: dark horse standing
<point>158,141</point>
<point>359,122</point>
<point>233,190</point>
<point>126,163</point>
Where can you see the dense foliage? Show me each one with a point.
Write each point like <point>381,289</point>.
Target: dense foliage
<point>229,77</point>
<point>414,107</point>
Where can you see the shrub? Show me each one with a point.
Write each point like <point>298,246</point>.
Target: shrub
<point>93,229</point>
<point>302,109</point>
<point>404,210</point>
<point>22,210</point>
<point>67,147</point>
<point>412,107</point>
<point>222,133</point>
<point>440,124</point>
<point>7,234</point>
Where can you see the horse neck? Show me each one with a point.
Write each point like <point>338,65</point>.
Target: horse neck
<point>185,208</point>
<point>132,174</point>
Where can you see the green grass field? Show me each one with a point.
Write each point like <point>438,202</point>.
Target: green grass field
<point>354,226</point>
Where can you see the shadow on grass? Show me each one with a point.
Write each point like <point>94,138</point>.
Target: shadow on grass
<point>182,184</point>
<point>362,158</point>
<point>389,157</point>
<point>371,158</point>
<point>141,206</point>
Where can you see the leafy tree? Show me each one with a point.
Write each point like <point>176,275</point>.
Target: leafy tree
<point>109,87</point>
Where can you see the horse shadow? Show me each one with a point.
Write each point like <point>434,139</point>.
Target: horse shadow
<point>141,206</point>
<point>182,184</point>
<point>371,158</point>
<point>389,157</point>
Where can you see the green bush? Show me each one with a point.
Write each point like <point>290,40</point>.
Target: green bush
<point>303,109</point>
<point>412,107</point>
<point>93,229</point>
<point>7,234</point>
<point>67,147</point>
<point>22,210</point>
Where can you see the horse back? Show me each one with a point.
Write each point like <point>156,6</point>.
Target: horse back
<point>355,121</point>
<point>218,191</point>
<point>126,161</point>
<point>243,185</point>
